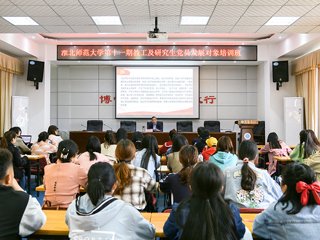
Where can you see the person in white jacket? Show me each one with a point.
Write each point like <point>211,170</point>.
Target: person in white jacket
<point>99,215</point>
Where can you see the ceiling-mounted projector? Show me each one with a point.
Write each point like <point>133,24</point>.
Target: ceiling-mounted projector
<point>155,36</point>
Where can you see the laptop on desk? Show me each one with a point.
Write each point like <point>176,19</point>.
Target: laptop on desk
<point>26,138</point>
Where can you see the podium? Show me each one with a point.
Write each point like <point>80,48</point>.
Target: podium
<point>246,127</point>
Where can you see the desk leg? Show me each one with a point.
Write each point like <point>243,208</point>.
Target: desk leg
<point>29,176</point>
<point>38,175</point>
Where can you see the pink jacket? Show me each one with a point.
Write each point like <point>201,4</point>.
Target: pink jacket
<point>283,152</point>
<point>62,181</point>
<point>84,160</point>
<point>43,148</point>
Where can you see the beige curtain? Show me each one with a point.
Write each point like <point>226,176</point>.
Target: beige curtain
<point>8,67</point>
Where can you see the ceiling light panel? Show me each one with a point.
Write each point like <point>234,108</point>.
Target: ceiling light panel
<point>194,20</point>
<point>106,20</point>
<point>20,20</point>
<point>281,21</point>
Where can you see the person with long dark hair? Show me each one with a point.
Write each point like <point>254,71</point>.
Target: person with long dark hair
<point>314,137</point>
<point>136,138</point>
<point>225,155</point>
<point>297,213</point>
<point>7,141</point>
<point>173,158</point>
<point>248,186</point>
<point>43,146</point>
<point>108,148</point>
<point>305,148</point>
<point>97,214</point>
<point>62,179</point>
<point>205,215</point>
<point>92,154</point>
<point>24,149</point>
<point>275,147</point>
<point>133,181</point>
<point>147,157</point>
<point>53,135</point>
<point>121,134</point>
<point>167,145</point>
<point>177,183</point>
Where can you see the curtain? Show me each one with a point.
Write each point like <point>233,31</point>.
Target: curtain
<point>8,67</point>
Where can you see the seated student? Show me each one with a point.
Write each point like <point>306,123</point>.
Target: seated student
<point>24,149</point>
<point>136,138</point>
<point>53,135</point>
<point>306,147</point>
<point>43,146</point>
<point>198,139</point>
<point>210,148</point>
<point>121,134</point>
<point>62,179</point>
<point>205,215</point>
<point>275,147</point>
<point>147,157</point>
<point>314,137</point>
<point>133,181</point>
<point>108,148</point>
<point>224,155</point>
<point>297,213</point>
<point>92,154</point>
<point>168,145</point>
<point>248,186</point>
<point>21,214</point>
<point>98,215</point>
<point>8,140</point>
<point>173,163</point>
<point>314,162</point>
<point>201,144</point>
<point>177,183</point>
<point>154,125</point>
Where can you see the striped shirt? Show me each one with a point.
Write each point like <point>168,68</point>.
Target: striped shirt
<point>141,182</point>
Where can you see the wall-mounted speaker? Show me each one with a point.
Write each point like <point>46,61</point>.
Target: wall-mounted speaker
<point>35,71</point>
<point>280,71</point>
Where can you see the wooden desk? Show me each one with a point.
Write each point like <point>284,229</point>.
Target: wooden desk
<point>42,189</point>
<point>81,137</point>
<point>261,146</point>
<point>56,226</point>
<point>29,165</point>
<point>163,169</point>
<point>283,159</point>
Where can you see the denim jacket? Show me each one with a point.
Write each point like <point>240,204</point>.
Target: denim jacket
<point>276,224</point>
<point>173,231</point>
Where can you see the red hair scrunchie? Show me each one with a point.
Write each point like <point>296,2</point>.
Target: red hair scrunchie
<point>304,188</point>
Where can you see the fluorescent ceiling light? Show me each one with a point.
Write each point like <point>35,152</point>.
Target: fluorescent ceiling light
<point>194,20</point>
<point>282,20</point>
<point>107,20</point>
<point>20,20</point>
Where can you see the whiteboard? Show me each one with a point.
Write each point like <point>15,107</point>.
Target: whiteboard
<point>20,109</point>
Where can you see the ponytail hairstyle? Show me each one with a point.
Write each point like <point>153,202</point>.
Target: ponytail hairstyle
<point>207,204</point>
<point>309,146</point>
<point>109,139</point>
<point>67,149</point>
<point>52,130</point>
<point>314,137</point>
<point>248,150</point>
<point>43,136</point>
<point>125,152</point>
<point>7,138</point>
<point>225,145</point>
<point>273,141</point>
<point>93,145</point>
<point>150,143</point>
<point>188,157</point>
<point>291,175</point>
<point>101,178</point>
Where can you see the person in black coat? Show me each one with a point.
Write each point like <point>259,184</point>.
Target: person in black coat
<point>157,127</point>
<point>8,141</point>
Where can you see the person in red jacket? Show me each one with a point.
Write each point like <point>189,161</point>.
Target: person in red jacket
<point>210,148</point>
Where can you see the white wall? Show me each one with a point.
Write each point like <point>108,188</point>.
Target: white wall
<point>75,92</point>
